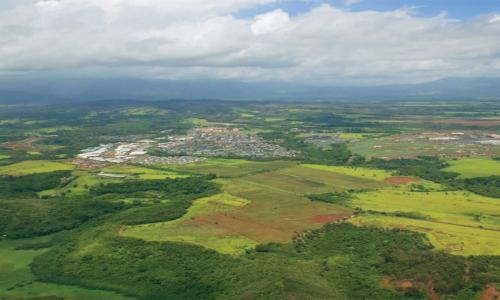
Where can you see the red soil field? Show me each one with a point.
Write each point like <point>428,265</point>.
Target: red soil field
<point>400,180</point>
<point>490,293</point>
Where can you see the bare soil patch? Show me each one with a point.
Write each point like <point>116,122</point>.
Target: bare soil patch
<point>400,180</point>
<point>24,145</point>
<point>490,293</point>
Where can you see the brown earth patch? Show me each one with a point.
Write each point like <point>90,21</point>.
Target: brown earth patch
<point>400,180</point>
<point>490,293</point>
<point>323,219</point>
<point>406,284</point>
<point>234,223</point>
<point>24,145</point>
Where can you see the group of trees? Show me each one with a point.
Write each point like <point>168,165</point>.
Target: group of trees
<point>24,218</point>
<point>178,188</point>
<point>29,185</point>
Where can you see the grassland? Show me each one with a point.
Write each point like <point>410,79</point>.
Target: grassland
<point>17,281</point>
<point>459,222</point>
<point>261,206</point>
<point>455,239</point>
<point>411,145</point>
<point>80,185</point>
<point>359,172</point>
<point>231,167</point>
<point>141,172</point>
<point>34,167</point>
<point>474,167</point>
<point>189,228</point>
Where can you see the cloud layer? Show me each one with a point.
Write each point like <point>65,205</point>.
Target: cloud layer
<point>197,39</point>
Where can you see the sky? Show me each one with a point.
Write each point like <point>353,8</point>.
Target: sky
<point>330,42</point>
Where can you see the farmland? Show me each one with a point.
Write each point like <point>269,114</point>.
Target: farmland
<point>474,167</point>
<point>264,200</point>
<point>33,167</point>
<point>460,222</point>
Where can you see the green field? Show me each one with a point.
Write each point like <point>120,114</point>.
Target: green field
<point>474,167</point>
<point>263,207</point>
<point>33,167</point>
<point>140,172</point>
<point>359,172</point>
<point>191,227</point>
<point>457,221</point>
<point>231,167</point>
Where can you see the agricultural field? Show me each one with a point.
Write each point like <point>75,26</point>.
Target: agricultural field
<point>431,143</point>
<point>457,221</point>
<point>364,217</point>
<point>34,167</point>
<point>256,208</point>
<point>474,167</point>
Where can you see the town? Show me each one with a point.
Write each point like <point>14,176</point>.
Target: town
<point>193,147</point>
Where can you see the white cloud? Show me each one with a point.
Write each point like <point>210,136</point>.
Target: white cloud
<point>271,22</point>
<point>494,19</point>
<point>351,2</point>
<point>181,39</point>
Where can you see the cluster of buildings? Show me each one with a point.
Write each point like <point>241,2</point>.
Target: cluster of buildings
<point>167,160</point>
<point>192,148</point>
<point>117,153</point>
<point>222,141</point>
<point>325,140</point>
<point>465,138</point>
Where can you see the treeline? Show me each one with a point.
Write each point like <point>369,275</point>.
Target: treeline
<point>178,188</point>
<point>488,186</point>
<point>29,185</point>
<point>426,167</point>
<point>23,218</point>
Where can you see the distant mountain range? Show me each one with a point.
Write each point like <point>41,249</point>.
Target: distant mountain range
<point>67,90</point>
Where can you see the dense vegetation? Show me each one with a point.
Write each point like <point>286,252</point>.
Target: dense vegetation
<point>180,188</point>
<point>24,218</point>
<point>29,185</point>
<point>488,186</point>
<point>351,262</point>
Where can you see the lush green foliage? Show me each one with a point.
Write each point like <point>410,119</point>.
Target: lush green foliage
<point>34,217</point>
<point>190,187</point>
<point>487,186</point>
<point>351,261</point>
<point>29,185</point>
